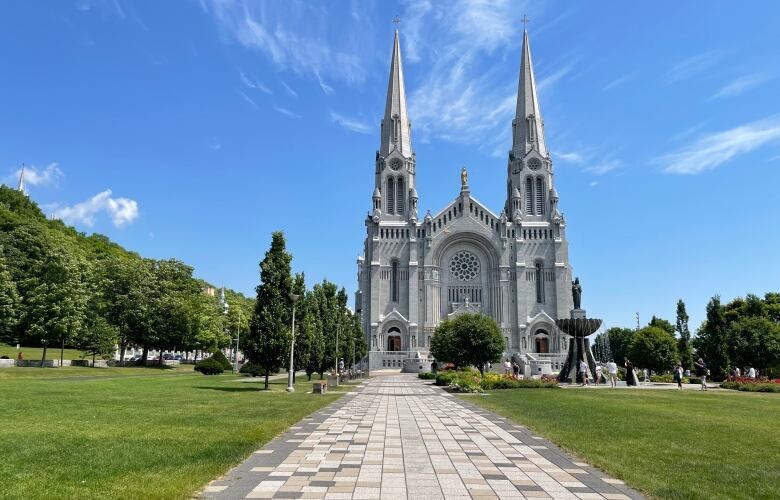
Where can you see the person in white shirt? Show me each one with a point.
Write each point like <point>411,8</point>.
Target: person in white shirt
<point>507,367</point>
<point>752,373</point>
<point>584,372</point>
<point>612,370</point>
<point>598,374</point>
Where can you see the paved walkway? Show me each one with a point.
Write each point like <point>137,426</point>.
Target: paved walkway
<point>400,437</point>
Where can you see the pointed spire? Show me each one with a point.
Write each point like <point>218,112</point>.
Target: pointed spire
<point>21,180</point>
<point>528,132</point>
<point>396,129</point>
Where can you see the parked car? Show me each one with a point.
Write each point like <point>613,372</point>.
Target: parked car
<point>178,357</point>
<point>167,356</point>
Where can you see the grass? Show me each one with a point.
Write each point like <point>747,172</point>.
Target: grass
<point>53,352</point>
<point>134,432</point>
<point>666,444</point>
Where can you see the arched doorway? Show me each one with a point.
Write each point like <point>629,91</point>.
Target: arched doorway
<point>542,342</point>
<point>394,339</point>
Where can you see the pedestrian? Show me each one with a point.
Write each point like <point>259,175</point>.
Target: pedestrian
<point>701,372</point>
<point>631,378</point>
<point>678,376</point>
<point>507,367</point>
<point>19,359</point>
<point>737,372</point>
<point>598,374</point>
<point>434,366</point>
<point>645,375</point>
<point>584,372</point>
<point>515,370</point>
<point>612,370</point>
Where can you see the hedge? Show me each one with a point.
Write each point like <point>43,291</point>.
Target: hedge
<point>209,366</point>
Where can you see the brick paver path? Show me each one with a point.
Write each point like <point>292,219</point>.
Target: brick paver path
<point>400,437</point>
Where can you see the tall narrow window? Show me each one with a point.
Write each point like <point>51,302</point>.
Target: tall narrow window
<point>531,128</point>
<point>529,196</point>
<point>539,283</point>
<point>394,282</point>
<point>399,199</point>
<point>390,196</point>
<point>539,196</point>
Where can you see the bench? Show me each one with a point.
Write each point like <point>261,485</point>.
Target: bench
<point>319,387</point>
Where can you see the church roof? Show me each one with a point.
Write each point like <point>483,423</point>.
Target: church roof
<point>396,129</point>
<point>528,115</point>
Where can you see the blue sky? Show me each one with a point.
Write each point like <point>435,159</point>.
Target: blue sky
<point>193,129</point>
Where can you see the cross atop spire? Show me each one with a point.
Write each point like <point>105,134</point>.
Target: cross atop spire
<point>397,22</point>
<point>396,129</point>
<point>525,22</point>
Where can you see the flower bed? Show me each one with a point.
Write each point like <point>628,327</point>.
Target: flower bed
<point>472,381</point>
<point>752,385</point>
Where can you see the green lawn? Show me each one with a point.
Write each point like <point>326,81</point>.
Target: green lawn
<point>134,432</point>
<point>664,443</point>
<point>37,352</point>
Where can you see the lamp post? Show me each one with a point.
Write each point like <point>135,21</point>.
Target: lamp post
<point>238,341</point>
<point>290,388</point>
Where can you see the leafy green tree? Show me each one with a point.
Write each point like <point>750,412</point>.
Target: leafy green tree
<point>754,341</point>
<point>309,340</point>
<point>269,333</point>
<point>98,339</point>
<point>653,348</point>
<point>475,340</point>
<point>711,343</point>
<point>619,340</point>
<point>329,315</point>
<point>684,336</point>
<point>9,302</point>
<point>662,324</point>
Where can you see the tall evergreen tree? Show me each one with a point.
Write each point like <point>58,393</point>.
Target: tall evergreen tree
<point>684,336</point>
<point>269,332</point>
<point>711,342</point>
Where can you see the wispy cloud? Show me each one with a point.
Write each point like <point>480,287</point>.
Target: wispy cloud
<point>572,157</point>
<point>715,149</point>
<point>739,86</point>
<point>350,124</point>
<point>34,176</point>
<point>551,79</point>
<point>604,167</point>
<point>619,81</point>
<point>247,98</point>
<point>293,36</point>
<point>122,211</point>
<point>254,84</point>
<point>286,112</point>
<point>693,66</point>
<point>289,89</point>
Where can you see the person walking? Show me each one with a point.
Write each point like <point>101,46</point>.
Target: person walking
<point>701,372</point>
<point>631,378</point>
<point>598,374</point>
<point>584,372</point>
<point>19,359</point>
<point>507,367</point>
<point>678,376</point>
<point>434,366</point>
<point>515,370</point>
<point>612,370</point>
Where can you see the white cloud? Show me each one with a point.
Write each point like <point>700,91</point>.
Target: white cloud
<point>552,78</point>
<point>619,81</point>
<point>254,84</point>
<point>34,176</point>
<point>122,211</point>
<point>604,167</point>
<point>569,157</point>
<point>693,66</point>
<point>287,112</point>
<point>739,86</point>
<point>593,183</point>
<point>350,123</point>
<point>289,89</point>
<point>247,98</point>
<point>715,149</point>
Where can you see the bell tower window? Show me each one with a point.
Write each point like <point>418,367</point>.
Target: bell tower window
<point>539,283</point>
<point>529,196</point>
<point>400,196</point>
<point>390,196</point>
<point>539,196</point>
<point>394,281</point>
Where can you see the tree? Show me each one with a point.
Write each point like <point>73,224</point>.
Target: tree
<point>98,339</point>
<point>9,302</point>
<point>754,341</point>
<point>662,324</point>
<point>474,339</point>
<point>330,316</point>
<point>684,339</point>
<point>619,339</point>
<point>310,342</point>
<point>653,348</point>
<point>269,335</point>
<point>711,341</point>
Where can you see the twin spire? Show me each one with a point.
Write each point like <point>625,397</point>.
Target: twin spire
<point>396,129</point>
<point>527,127</point>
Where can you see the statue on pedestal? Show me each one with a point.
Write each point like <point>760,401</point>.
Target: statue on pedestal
<point>576,293</point>
<point>464,177</point>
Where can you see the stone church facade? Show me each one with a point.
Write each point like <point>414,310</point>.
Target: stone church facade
<point>512,264</point>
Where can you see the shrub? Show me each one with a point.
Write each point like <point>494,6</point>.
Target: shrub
<point>754,386</point>
<point>427,375</point>
<point>445,378</point>
<point>251,369</point>
<point>669,378</point>
<point>209,366</point>
<point>223,361</point>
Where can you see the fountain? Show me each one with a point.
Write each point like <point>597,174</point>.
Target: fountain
<point>579,327</point>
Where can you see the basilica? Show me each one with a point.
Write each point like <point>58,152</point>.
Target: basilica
<point>511,264</point>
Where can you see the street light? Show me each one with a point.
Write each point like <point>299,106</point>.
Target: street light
<point>290,388</point>
<point>238,341</point>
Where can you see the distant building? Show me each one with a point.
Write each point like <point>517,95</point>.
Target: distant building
<point>210,291</point>
<point>511,265</point>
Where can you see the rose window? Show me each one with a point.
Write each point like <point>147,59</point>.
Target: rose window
<point>464,266</point>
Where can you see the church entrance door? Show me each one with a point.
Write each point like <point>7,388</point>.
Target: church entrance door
<point>542,346</point>
<point>394,343</point>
